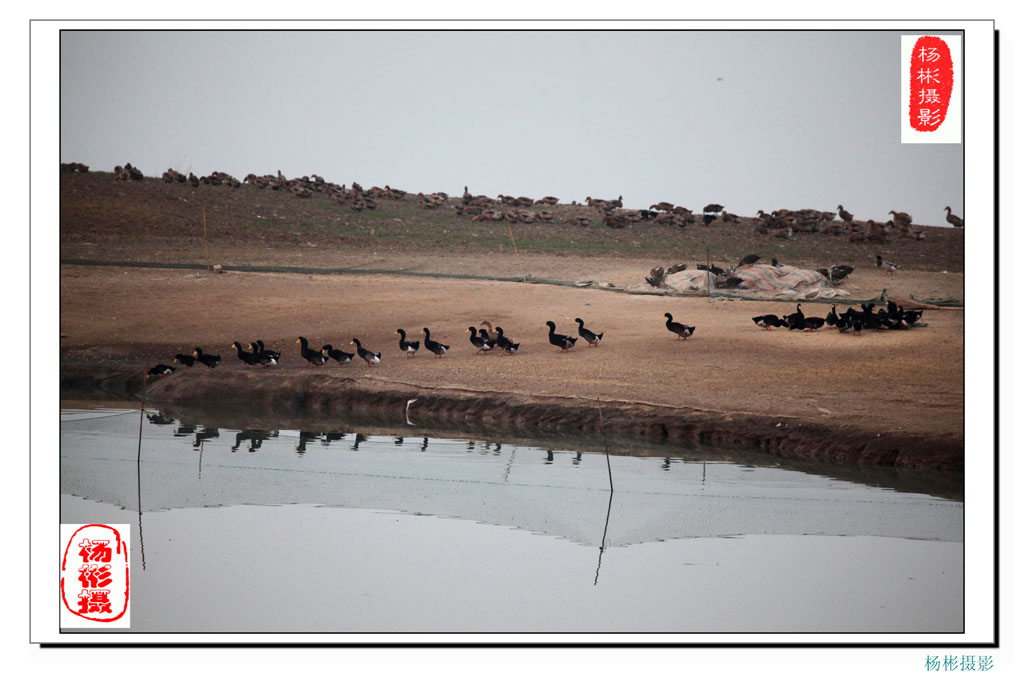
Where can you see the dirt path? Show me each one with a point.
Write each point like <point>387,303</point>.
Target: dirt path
<point>909,382</point>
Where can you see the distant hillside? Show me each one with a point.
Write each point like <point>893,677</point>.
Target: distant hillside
<point>156,216</point>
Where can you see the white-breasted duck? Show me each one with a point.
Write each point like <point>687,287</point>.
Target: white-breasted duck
<point>367,355</point>
<point>768,321</point>
<point>159,370</point>
<point>410,347</point>
<point>486,333</point>
<point>276,355</point>
<point>684,332</point>
<point>562,341</point>
<point>313,358</point>
<point>591,338</point>
<point>435,347</point>
<point>872,321</point>
<point>911,317</point>
<point>836,272</point>
<point>263,356</point>
<point>243,355</point>
<point>209,360</point>
<point>795,321</point>
<point>807,324</point>
<point>482,345</point>
<point>504,343</point>
<point>832,319</point>
<point>328,351</point>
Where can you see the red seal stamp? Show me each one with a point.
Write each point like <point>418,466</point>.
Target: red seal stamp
<point>931,89</point>
<point>931,83</point>
<point>94,575</point>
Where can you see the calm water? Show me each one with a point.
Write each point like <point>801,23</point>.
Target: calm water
<point>284,530</point>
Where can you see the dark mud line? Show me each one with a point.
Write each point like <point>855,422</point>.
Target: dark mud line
<point>303,270</point>
<point>350,399</point>
<point>310,271</point>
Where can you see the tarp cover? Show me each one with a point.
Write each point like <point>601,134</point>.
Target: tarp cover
<point>770,281</point>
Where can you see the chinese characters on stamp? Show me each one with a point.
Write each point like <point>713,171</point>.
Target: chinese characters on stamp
<point>94,580</point>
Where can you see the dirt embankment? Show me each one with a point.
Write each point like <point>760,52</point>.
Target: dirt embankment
<point>891,397</point>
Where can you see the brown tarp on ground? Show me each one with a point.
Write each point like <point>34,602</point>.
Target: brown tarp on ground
<point>768,281</point>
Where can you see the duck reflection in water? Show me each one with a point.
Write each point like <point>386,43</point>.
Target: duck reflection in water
<point>205,434</point>
<point>358,440</point>
<point>424,446</point>
<point>304,438</point>
<point>332,436</point>
<point>255,437</point>
<point>185,429</point>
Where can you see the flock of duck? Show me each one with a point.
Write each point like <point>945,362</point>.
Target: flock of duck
<point>489,338</point>
<point>486,339</point>
<point>892,317</point>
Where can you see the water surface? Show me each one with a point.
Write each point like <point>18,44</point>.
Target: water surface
<point>287,530</point>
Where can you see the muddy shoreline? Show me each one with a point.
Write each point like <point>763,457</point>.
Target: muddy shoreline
<point>389,403</point>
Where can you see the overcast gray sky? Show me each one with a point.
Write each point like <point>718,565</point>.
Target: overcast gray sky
<point>751,120</point>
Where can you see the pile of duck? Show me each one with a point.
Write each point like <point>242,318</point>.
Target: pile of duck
<point>170,176</point>
<point>802,220</point>
<point>220,178</point>
<point>504,208</point>
<point>855,320</point>
<point>127,172</point>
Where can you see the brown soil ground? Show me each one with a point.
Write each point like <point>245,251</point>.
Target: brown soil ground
<point>907,383</point>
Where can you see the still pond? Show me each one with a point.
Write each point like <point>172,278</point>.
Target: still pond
<point>292,531</point>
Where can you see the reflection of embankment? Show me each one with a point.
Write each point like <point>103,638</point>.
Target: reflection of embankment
<point>941,483</point>
<point>564,494</point>
<point>361,402</point>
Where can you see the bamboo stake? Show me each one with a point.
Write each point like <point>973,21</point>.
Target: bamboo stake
<point>707,257</point>
<point>142,406</point>
<point>138,461</point>
<point>522,268</point>
<point>206,243</point>
<point>611,492</point>
<point>604,536</point>
<point>607,456</point>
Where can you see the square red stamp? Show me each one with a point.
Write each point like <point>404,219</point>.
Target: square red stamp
<point>932,88</point>
<point>95,576</point>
